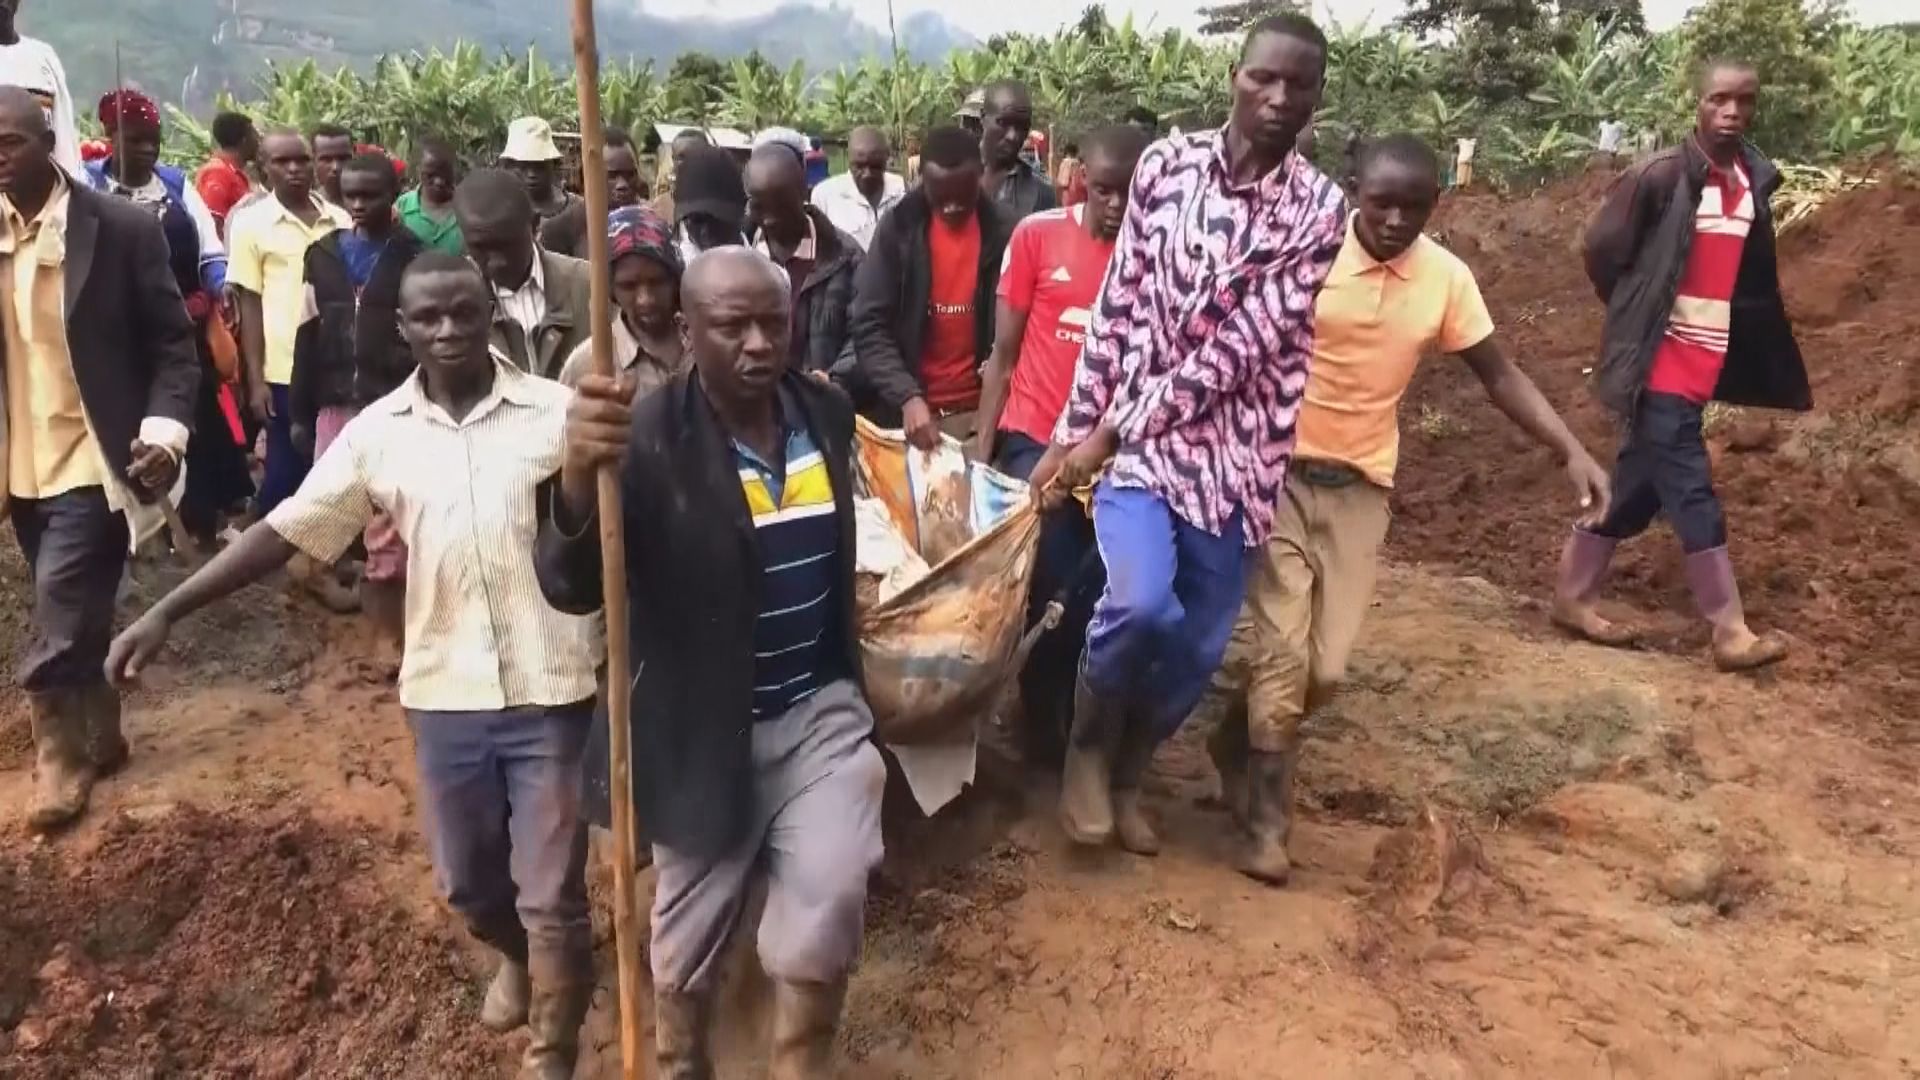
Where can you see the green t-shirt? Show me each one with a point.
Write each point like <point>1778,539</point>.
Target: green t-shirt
<point>438,233</point>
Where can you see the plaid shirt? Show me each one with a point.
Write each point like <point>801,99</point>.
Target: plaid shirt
<point>1202,335</point>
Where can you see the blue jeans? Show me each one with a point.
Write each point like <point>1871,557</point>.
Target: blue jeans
<point>502,795</point>
<point>286,466</point>
<point>1173,592</point>
<point>1663,468</point>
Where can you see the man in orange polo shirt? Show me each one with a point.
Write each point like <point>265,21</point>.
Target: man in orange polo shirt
<point>1392,295</point>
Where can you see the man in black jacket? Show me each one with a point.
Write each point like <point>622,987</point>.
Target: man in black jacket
<point>1682,254</point>
<point>101,372</point>
<point>924,298</point>
<point>750,729</point>
<point>349,353</point>
<point>819,259</point>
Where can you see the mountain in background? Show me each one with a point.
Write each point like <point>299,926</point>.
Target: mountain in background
<point>187,51</point>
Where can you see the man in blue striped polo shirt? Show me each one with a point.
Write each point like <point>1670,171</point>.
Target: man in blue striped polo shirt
<point>751,736</point>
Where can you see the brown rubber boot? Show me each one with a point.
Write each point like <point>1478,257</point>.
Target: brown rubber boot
<point>1086,783</point>
<point>63,764</point>
<point>1227,746</point>
<point>682,1021</point>
<point>1735,647</point>
<point>805,1017</point>
<point>1269,814</point>
<point>106,745</point>
<point>509,997</point>
<point>1583,566</point>
<point>554,1016</point>
<point>1130,823</point>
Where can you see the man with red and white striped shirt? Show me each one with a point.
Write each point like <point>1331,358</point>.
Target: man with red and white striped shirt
<point>1683,254</point>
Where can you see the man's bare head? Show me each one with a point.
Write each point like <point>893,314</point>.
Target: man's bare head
<point>868,156</point>
<point>26,143</point>
<point>735,323</point>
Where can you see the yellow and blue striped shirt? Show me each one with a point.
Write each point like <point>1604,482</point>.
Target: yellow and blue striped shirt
<point>794,526</point>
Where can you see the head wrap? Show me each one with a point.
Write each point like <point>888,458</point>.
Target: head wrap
<point>639,230</point>
<point>127,108</point>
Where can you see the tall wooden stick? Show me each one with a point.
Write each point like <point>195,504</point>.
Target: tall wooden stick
<point>613,548</point>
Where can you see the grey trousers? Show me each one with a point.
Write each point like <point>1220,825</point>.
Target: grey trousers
<point>76,549</point>
<point>814,832</point>
<point>502,795</point>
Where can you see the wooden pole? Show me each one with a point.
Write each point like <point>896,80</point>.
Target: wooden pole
<point>613,547</point>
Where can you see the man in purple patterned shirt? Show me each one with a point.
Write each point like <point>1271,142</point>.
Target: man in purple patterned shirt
<point>1190,382</point>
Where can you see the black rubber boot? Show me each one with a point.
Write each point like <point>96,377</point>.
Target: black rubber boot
<point>1269,814</point>
<point>1086,783</point>
<point>1130,823</point>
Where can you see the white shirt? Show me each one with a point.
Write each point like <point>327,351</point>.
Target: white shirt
<point>526,305</point>
<point>849,210</point>
<point>33,66</point>
<point>480,634</point>
<point>1612,133</point>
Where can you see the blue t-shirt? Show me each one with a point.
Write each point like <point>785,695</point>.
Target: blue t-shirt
<point>360,255</point>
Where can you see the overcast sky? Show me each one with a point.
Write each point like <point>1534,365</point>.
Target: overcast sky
<point>985,17</point>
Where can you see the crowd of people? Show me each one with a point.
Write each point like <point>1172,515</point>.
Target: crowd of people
<point>1202,333</point>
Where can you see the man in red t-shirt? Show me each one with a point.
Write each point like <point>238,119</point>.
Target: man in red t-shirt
<point>1049,283</point>
<point>922,317</point>
<point>224,180</point>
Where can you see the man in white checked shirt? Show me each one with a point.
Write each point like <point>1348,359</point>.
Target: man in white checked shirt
<point>498,686</point>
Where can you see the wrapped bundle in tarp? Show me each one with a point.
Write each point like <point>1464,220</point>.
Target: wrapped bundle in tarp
<point>946,550</point>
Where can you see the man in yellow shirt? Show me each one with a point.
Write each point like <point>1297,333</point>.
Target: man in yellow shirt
<point>1392,295</point>
<point>267,243</point>
<point>100,374</point>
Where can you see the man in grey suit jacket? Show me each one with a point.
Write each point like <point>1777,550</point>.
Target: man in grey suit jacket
<point>100,375</point>
<point>540,297</point>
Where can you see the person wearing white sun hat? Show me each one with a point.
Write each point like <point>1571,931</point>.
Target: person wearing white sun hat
<point>532,155</point>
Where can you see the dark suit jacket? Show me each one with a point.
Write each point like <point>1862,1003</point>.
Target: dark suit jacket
<point>127,327</point>
<point>545,351</point>
<point>693,577</point>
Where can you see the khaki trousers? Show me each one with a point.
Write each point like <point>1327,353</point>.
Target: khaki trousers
<point>1308,592</point>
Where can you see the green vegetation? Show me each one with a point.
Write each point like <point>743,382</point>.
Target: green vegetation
<point>1833,91</point>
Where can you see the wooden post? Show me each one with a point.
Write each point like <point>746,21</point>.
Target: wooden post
<point>613,562</point>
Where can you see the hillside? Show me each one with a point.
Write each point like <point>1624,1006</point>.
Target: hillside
<point>188,50</point>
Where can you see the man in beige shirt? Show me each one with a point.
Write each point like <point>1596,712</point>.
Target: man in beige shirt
<point>100,376</point>
<point>498,686</point>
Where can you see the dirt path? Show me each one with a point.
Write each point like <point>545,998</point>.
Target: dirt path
<point>1630,868</point>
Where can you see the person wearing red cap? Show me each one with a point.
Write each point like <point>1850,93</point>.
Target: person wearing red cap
<point>217,476</point>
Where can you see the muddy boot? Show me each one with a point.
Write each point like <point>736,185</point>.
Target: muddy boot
<point>1735,646</point>
<point>1227,746</point>
<point>508,996</point>
<point>682,1022</point>
<point>554,1017</point>
<point>63,762</point>
<point>1269,815</point>
<point>1086,793</point>
<point>1583,566</point>
<point>106,745</point>
<point>1130,824</point>
<point>805,1016</point>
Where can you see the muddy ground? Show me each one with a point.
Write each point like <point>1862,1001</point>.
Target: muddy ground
<point>1519,856</point>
